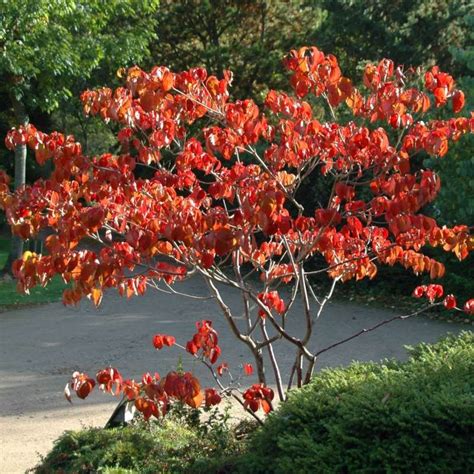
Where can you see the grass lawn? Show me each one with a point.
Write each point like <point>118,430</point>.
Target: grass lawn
<point>4,247</point>
<point>10,298</point>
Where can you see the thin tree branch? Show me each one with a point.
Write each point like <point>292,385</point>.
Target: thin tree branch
<point>276,368</point>
<point>376,326</point>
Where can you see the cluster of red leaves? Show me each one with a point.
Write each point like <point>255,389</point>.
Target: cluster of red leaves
<point>160,340</point>
<point>315,72</point>
<point>258,396</point>
<point>152,396</point>
<point>441,85</point>
<point>205,342</point>
<point>272,301</point>
<point>193,222</point>
<point>211,397</point>
<point>434,292</point>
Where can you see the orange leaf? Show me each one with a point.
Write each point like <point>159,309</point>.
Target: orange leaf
<point>96,296</point>
<point>195,401</point>
<point>168,81</point>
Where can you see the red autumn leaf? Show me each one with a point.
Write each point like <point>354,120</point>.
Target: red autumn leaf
<point>469,306</point>
<point>450,302</point>
<point>433,292</point>
<point>107,377</point>
<point>160,340</point>
<point>458,101</point>
<point>207,260</point>
<point>212,397</point>
<point>191,347</point>
<point>419,291</point>
<point>213,354</point>
<point>169,340</point>
<point>248,369</point>
<point>266,407</point>
<point>258,396</point>
<point>441,96</point>
<point>344,191</point>
<point>195,401</point>
<point>130,389</point>
<point>148,407</point>
<point>80,383</point>
<point>221,368</point>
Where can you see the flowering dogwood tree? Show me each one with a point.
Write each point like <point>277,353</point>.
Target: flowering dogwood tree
<point>221,201</point>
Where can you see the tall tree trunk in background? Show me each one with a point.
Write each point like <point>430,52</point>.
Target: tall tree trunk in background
<point>21,118</point>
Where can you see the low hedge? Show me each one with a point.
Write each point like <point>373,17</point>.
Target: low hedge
<point>416,416</point>
<point>168,446</point>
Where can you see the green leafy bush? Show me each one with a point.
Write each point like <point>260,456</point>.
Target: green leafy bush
<point>169,446</point>
<point>416,416</point>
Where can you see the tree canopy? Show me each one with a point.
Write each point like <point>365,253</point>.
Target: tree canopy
<point>48,45</point>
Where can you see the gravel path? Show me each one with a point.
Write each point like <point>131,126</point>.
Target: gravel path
<point>40,348</point>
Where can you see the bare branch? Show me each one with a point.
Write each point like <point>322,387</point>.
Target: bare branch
<point>327,297</point>
<point>276,368</point>
<point>228,314</point>
<point>306,305</point>
<point>376,326</point>
<point>245,299</point>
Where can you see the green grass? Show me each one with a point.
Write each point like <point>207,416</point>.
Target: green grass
<point>4,248</point>
<point>9,296</point>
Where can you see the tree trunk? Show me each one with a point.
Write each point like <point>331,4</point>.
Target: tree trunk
<point>21,118</point>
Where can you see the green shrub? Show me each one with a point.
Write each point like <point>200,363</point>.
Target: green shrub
<point>168,446</point>
<point>416,416</point>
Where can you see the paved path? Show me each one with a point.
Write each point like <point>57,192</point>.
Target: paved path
<point>40,348</point>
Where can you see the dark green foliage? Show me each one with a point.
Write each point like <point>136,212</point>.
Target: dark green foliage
<point>409,32</point>
<point>48,45</point>
<point>455,203</point>
<point>169,446</point>
<point>246,36</point>
<point>396,417</point>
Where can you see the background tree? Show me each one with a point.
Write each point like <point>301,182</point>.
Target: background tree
<point>48,48</point>
<point>456,202</point>
<point>409,32</point>
<point>247,37</point>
